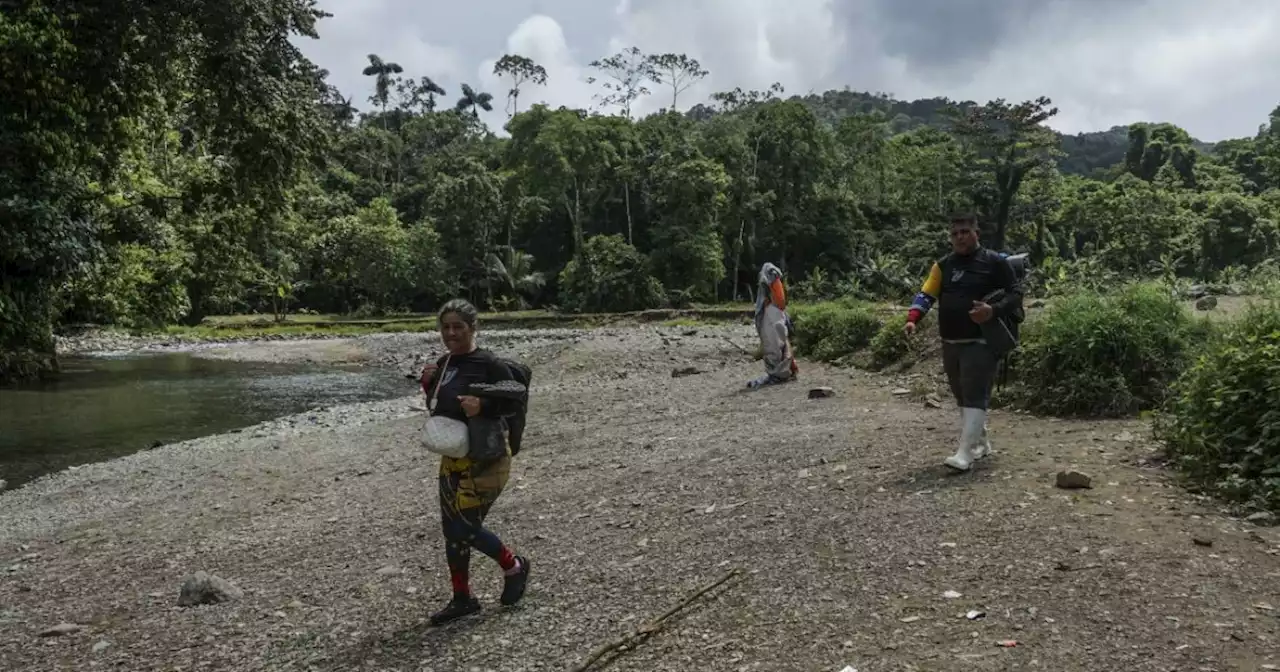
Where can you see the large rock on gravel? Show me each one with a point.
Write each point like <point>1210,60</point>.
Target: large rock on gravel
<point>203,588</point>
<point>1071,479</point>
<point>62,629</point>
<point>1207,303</point>
<point>1262,518</point>
<point>3,484</point>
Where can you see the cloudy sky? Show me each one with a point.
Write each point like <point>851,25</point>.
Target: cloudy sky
<point>1211,66</point>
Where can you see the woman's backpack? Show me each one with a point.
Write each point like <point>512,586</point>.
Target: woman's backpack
<point>515,424</point>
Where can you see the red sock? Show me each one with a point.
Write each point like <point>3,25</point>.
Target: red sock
<point>506,559</point>
<point>460,581</point>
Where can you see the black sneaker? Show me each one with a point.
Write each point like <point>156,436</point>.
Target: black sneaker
<point>459,607</point>
<point>513,585</point>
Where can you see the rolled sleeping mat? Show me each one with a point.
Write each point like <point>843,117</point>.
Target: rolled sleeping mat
<point>506,389</point>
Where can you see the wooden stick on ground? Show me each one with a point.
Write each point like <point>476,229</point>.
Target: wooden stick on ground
<point>739,347</point>
<point>643,632</point>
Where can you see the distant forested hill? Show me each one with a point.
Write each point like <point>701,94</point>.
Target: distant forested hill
<point>1086,153</point>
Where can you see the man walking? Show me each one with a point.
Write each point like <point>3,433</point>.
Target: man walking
<point>965,284</point>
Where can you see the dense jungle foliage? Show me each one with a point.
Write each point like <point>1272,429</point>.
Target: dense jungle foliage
<point>162,162</point>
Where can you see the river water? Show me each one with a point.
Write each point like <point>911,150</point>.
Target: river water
<point>105,407</point>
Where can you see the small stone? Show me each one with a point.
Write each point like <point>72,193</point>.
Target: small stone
<point>3,484</point>
<point>1124,437</point>
<point>685,371</point>
<point>1071,479</point>
<point>951,595</point>
<point>932,402</point>
<point>204,588</point>
<point>975,615</point>
<point>821,393</point>
<point>901,391</point>
<point>101,646</point>
<point>1201,541</point>
<point>62,629</point>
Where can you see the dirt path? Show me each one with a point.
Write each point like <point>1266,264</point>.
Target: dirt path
<point>636,489</point>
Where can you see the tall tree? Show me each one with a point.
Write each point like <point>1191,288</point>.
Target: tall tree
<point>383,73</point>
<point>1008,142</point>
<point>677,71</point>
<point>1268,144</point>
<point>79,95</point>
<point>1153,146</point>
<point>474,101</point>
<point>418,96</point>
<point>520,69</point>
<point>628,71</point>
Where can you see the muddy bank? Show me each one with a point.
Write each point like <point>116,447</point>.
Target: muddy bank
<point>635,489</point>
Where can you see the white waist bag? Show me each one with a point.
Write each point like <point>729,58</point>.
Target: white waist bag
<point>441,435</point>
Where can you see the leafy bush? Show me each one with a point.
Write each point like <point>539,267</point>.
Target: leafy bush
<point>614,278</point>
<point>891,345</point>
<point>1222,423</point>
<point>134,286</point>
<point>831,330</point>
<point>1105,354</point>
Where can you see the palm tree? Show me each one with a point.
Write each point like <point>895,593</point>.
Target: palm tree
<point>510,272</point>
<point>474,99</point>
<point>343,110</point>
<point>383,71</point>
<point>430,90</point>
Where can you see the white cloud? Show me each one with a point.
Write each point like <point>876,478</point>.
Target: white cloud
<point>1209,67</point>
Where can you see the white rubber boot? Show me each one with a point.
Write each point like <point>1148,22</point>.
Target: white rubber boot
<point>970,433</point>
<point>983,448</point>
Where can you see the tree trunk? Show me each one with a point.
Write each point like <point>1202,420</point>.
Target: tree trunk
<point>737,256</point>
<point>626,194</point>
<point>1037,251</point>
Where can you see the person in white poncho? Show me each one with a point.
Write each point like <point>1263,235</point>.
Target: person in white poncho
<point>774,328</point>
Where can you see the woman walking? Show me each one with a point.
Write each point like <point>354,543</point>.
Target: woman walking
<point>468,488</point>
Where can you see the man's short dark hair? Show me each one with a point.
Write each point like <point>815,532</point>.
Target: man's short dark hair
<point>963,219</point>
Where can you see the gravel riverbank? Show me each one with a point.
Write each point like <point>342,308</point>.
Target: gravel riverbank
<point>648,472</point>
